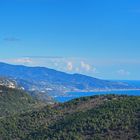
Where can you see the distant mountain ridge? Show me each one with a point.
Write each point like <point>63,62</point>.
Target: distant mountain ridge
<point>51,82</point>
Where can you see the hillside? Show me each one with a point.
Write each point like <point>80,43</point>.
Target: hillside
<point>8,82</point>
<point>97,117</point>
<point>49,82</point>
<point>15,101</point>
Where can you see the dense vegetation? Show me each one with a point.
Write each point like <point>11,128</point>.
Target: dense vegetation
<point>97,117</point>
<point>15,101</point>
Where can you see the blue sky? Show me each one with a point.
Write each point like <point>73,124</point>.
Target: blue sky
<point>100,38</point>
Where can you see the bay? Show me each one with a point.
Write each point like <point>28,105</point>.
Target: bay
<point>72,95</point>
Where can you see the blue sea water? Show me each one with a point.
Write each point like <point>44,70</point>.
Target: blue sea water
<point>72,95</point>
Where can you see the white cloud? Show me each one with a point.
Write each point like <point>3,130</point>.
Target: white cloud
<point>85,66</point>
<point>77,70</point>
<point>123,72</point>
<point>22,61</point>
<point>69,66</point>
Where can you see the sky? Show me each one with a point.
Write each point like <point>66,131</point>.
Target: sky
<point>100,38</point>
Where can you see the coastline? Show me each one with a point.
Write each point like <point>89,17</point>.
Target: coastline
<point>102,90</point>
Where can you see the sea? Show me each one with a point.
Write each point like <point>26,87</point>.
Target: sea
<point>73,95</point>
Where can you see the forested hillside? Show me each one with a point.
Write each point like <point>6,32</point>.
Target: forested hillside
<point>15,101</point>
<point>97,117</point>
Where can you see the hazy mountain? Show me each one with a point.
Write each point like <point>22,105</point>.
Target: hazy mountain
<point>51,82</point>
